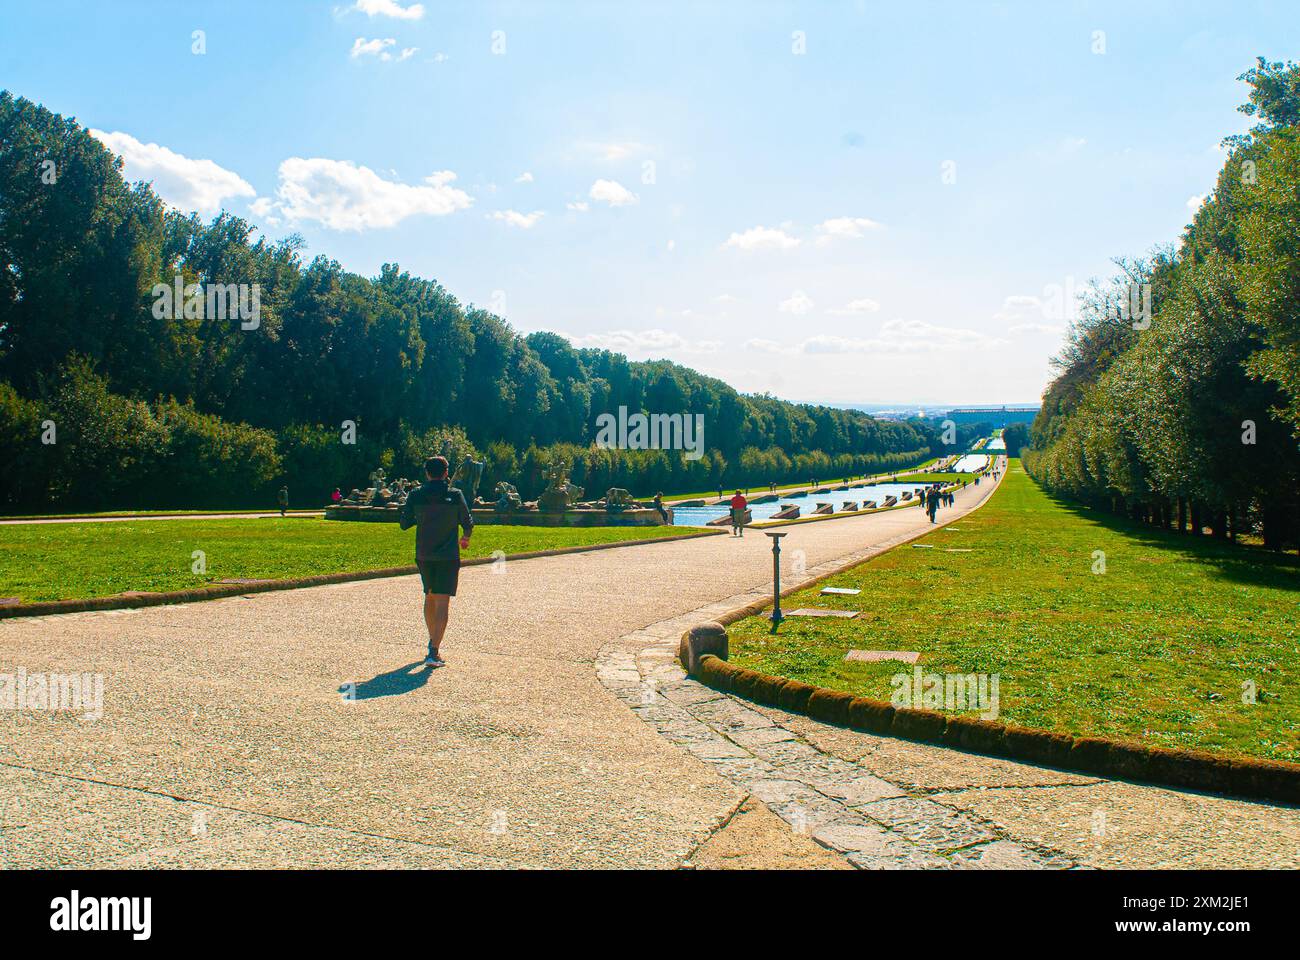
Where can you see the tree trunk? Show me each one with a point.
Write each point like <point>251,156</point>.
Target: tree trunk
<point>1273,522</point>
<point>1182,515</point>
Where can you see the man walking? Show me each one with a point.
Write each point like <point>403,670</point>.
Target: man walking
<point>282,498</point>
<point>436,509</point>
<point>932,503</point>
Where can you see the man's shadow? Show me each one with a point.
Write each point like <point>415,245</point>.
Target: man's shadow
<point>394,683</point>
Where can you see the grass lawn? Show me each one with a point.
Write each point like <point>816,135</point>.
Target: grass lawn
<point>73,560</point>
<point>1155,650</point>
<point>158,513</point>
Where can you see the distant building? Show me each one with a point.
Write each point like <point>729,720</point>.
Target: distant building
<point>999,417</point>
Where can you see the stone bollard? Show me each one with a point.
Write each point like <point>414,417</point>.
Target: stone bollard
<point>700,640</point>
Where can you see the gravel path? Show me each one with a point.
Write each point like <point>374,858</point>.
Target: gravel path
<point>299,729</point>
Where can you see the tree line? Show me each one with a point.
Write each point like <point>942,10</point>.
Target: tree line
<point>115,393</point>
<point>1187,415</point>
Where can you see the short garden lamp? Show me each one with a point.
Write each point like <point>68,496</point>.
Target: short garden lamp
<point>776,577</point>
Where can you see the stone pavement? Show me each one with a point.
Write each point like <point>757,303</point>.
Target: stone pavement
<point>299,729</point>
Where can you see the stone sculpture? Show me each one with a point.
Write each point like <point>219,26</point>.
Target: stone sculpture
<point>467,477</point>
<point>559,492</point>
<point>617,500</point>
<point>508,499</point>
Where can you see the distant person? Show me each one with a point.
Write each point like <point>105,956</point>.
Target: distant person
<point>932,503</point>
<point>336,496</point>
<point>659,505</point>
<point>436,509</point>
<point>738,506</point>
<point>282,498</point>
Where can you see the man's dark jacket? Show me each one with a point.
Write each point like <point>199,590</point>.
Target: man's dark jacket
<point>436,509</point>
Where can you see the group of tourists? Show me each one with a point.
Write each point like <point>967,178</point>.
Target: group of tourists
<point>936,498</point>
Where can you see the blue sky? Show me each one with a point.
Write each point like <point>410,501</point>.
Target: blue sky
<point>847,202</point>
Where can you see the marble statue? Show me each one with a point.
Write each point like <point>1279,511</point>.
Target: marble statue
<point>508,499</point>
<point>559,493</point>
<point>617,500</point>
<point>467,477</point>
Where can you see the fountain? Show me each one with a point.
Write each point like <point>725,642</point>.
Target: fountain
<point>559,505</point>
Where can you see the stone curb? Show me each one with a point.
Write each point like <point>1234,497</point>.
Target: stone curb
<point>1186,769</point>
<point>223,591</point>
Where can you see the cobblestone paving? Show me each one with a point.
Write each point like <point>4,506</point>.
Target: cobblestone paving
<point>873,823</point>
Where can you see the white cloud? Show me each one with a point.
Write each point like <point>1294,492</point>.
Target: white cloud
<point>762,238</point>
<point>1045,328</point>
<point>895,337</point>
<point>390,8</point>
<point>644,341</point>
<point>264,209</point>
<point>516,219</point>
<point>1194,202</point>
<point>726,298</point>
<point>361,47</point>
<point>798,304</point>
<point>407,53</point>
<point>341,195</point>
<point>578,206</point>
<point>613,193</point>
<point>856,307</point>
<point>768,346</point>
<point>844,228</point>
<point>1019,310</point>
<point>199,185</point>
<point>525,177</point>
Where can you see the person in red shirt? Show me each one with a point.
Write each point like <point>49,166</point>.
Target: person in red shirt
<point>738,506</point>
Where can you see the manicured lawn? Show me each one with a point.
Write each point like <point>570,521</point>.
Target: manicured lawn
<point>1155,650</point>
<point>158,513</point>
<point>73,560</point>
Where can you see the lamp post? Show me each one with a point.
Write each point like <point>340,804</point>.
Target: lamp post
<point>776,578</point>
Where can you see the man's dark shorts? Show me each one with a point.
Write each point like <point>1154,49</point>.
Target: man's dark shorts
<point>439,576</point>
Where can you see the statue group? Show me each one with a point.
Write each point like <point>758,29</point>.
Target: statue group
<point>559,495</point>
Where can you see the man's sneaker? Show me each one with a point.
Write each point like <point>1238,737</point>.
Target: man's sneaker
<point>430,662</point>
<point>437,660</point>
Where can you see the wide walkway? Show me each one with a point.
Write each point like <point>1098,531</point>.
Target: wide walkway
<point>298,728</point>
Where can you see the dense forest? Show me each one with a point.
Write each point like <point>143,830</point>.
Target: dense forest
<point>1188,415</point>
<point>108,401</point>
